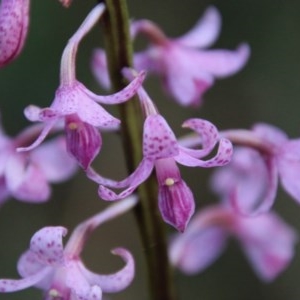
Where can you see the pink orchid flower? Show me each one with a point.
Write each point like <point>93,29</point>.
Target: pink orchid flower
<point>60,272</point>
<point>186,67</point>
<point>162,151</point>
<point>268,242</point>
<point>27,176</point>
<point>14,21</point>
<point>77,106</point>
<point>250,181</point>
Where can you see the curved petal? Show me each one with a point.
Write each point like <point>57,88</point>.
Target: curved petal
<point>289,167</point>
<point>222,63</point>
<point>159,140</point>
<point>49,125</point>
<point>222,157</point>
<point>205,32</point>
<point>141,173</point>
<point>59,165</point>
<point>25,180</point>
<point>113,282</point>
<point>125,94</point>
<point>209,136</point>
<point>13,285</point>
<point>47,245</point>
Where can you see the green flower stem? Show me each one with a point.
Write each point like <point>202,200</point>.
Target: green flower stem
<point>119,54</point>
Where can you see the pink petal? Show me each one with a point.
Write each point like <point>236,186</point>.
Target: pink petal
<point>118,281</point>
<point>59,165</point>
<point>83,140</point>
<point>125,94</point>
<point>205,32</point>
<point>13,285</point>
<point>14,21</point>
<point>208,133</point>
<point>48,246</point>
<point>159,140</point>
<point>288,160</point>
<point>193,252</point>
<point>269,244</point>
<point>222,63</point>
<point>25,180</point>
<point>222,157</point>
<point>141,173</point>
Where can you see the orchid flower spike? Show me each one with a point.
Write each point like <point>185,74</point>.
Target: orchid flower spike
<point>268,242</point>
<point>27,176</point>
<point>186,67</point>
<point>60,272</point>
<point>14,21</point>
<point>162,151</point>
<point>265,154</point>
<point>77,106</point>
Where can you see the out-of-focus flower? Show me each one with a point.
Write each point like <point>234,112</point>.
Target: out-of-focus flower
<point>14,21</point>
<point>27,176</point>
<point>250,181</point>
<point>267,241</point>
<point>77,106</point>
<point>60,272</point>
<point>187,69</point>
<point>161,151</point>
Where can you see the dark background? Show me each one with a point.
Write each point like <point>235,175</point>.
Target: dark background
<point>267,89</point>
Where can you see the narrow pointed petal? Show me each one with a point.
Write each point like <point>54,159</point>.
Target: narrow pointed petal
<point>159,140</point>
<point>14,21</point>
<point>208,133</point>
<point>125,94</point>
<point>141,173</point>
<point>13,285</point>
<point>222,63</point>
<point>48,246</point>
<point>269,244</point>
<point>114,282</point>
<point>40,138</point>
<point>222,157</point>
<point>25,180</point>
<point>205,32</point>
<point>193,252</point>
<point>83,140</point>
<point>289,167</point>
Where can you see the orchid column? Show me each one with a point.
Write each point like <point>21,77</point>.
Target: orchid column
<point>119,54</point>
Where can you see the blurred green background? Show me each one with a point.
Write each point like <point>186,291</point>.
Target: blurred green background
<point>266,90</point>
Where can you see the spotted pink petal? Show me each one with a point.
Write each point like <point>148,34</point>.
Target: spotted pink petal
<point>222,157</point>
<point>288,161</point>
<point>14,21</point>
<point>268,242</point>
<point>113,282</point>
<point>205,32</point>
<point>208,133</point>
<point>48,246</point>
<point>159,140</point>
<point>25,180</point>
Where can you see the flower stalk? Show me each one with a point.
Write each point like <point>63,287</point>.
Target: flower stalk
<point>119,55</point>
